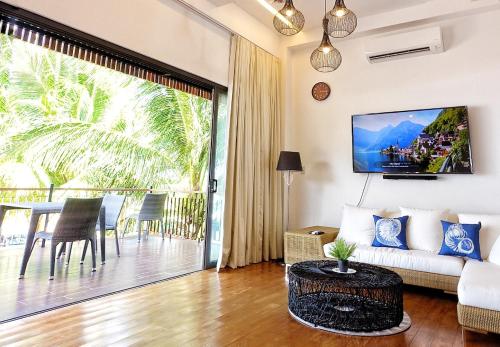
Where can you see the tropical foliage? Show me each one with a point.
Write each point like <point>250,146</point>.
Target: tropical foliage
<point>72,123</point>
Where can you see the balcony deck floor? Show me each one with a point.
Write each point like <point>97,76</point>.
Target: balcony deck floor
<point>150,261</point>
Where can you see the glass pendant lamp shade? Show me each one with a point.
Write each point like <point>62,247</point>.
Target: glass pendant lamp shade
<point>326,58</point>
<point>289,21</point>
<point>341,21</point>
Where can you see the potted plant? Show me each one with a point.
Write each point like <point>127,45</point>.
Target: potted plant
<point>342,251</point>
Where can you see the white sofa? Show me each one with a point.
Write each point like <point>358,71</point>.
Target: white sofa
<point>476,283</point>
<point>416,267</point>
<point>479,296</point>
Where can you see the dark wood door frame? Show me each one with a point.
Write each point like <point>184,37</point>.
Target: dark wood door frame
<point>68,33</point>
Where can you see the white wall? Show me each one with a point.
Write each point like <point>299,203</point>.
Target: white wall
<point>468,73</point>
<point>161,29</point>
<point>239,21</point>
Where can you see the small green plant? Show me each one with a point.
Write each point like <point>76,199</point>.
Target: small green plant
<point>342,250</point>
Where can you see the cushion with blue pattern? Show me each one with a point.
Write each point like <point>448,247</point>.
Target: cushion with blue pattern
<point>461,240</point>
<point>390,232</point>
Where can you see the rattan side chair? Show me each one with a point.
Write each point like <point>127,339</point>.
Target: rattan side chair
<point>152,209</point>
<point>77,221</point>
<point>113,205</point>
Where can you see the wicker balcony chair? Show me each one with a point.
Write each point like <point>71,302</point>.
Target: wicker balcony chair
<point>113,205</point>
<point>151,210</point>
<point>77,222</point>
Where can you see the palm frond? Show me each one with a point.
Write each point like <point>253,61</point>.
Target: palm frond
<point>81,148</point>
<point>81,122</point>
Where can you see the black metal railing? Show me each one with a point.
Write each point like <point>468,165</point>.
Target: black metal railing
<point>184,215</point>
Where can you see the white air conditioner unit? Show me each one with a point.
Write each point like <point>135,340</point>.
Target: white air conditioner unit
<point>404,45</point>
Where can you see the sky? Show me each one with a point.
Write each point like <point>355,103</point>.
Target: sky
<point>379,121</point>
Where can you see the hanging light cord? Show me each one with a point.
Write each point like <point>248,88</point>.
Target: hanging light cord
<point>363,192</point>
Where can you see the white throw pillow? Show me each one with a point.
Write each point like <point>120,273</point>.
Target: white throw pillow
<point>392,214</point>
<point>494,256</point>
<point>358,225</point>
<point>423,230</point>
<point>490,229</point>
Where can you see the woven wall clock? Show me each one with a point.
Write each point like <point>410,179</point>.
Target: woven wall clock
<point>321,91</point>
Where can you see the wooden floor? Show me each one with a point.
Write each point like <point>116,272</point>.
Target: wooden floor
<point>245,307</point>
<point>151,260</point>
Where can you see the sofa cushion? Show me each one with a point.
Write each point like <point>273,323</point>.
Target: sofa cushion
<point>494,256</point>
<point>392,214</point>
<point>479,285</point>
<point>410,260</point>
<point>357,224</point>
<point>490,229</point>
<point>424,231</point>
<point>461,240</point>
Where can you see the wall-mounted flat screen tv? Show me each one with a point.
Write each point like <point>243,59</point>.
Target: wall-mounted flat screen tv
<point>430,141</point>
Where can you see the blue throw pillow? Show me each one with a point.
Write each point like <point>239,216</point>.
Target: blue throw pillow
<point>390,232</point>
<point>461,240</point>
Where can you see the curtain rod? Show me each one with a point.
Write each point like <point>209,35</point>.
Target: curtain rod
<point>205,16</point>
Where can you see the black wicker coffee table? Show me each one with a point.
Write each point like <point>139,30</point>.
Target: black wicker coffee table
<point>370,300</point>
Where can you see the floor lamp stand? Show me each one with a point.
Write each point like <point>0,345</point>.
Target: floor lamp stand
<point>288,181</point>
<point>288,162</point>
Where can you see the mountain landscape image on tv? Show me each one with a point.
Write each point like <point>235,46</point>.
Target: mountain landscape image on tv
<point>417,142</point>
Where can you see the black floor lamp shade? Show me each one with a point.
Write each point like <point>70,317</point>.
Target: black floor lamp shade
<point>289,161</point>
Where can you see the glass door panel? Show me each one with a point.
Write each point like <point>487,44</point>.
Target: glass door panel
<point>217,181</point>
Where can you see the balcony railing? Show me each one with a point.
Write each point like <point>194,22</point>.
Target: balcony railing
<point>184,215</point>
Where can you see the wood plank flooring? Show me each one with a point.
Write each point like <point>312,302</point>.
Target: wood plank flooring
<point>151,260</point>
<point>245,307</point>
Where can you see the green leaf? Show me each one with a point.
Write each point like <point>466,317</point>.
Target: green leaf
<point>342,250</point>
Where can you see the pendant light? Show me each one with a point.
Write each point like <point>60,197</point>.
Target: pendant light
<point>289,21</point>
<point>326,58</point>
<point>341,21</point>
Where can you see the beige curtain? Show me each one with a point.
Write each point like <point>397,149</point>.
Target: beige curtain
<point>253,219</point>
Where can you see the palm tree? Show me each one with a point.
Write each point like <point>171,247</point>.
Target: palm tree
<point>82,123</point>
<point>181,123</point>
<point>6,106</point>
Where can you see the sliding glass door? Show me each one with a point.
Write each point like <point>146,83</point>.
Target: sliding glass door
<point>217,178</point>
<point>76,122</point>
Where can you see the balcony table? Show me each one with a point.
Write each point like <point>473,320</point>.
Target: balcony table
<point>41,208</point>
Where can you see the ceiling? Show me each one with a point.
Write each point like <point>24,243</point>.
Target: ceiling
<point>313,10</point>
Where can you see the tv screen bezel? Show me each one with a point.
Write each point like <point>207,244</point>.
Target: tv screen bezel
<point>408,172</point>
